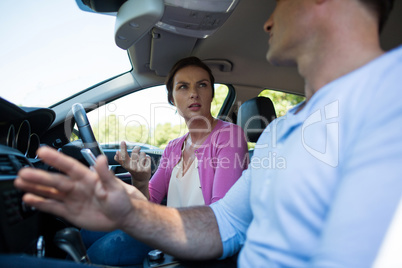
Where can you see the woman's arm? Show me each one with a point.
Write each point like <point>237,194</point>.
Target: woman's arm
<point>231,159</point>
<point>159,183</point>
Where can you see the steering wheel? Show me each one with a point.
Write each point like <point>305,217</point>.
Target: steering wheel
<point>86,133</point>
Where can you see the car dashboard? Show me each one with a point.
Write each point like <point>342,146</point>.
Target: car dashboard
<point>22,228</point>
<point>20,132</point>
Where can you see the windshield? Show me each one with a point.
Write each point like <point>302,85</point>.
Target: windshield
<point>50,50</point>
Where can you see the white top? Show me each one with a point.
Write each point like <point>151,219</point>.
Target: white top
<point>185,189</point>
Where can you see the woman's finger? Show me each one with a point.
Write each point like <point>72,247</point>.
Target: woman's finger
<point>142,155</point>
<point>123,150</point>
<point>146,162</point>
<point>117,157</point>
<point>143,160</point>
<point>135,156</point>
<point>136,151</point>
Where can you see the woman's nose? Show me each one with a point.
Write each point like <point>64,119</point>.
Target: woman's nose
<point>194,93</point>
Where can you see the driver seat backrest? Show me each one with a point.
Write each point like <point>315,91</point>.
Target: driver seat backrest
<point>254,116</point>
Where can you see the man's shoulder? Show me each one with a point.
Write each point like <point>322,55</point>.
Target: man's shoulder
<point>396,50</point>
<point>393,56</point>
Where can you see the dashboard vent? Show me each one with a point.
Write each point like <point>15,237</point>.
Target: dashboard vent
<point>10,164</point>
<point>6,166</point>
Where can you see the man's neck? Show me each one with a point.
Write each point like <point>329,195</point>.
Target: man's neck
<point>327,67</point>
<point>343,46</point>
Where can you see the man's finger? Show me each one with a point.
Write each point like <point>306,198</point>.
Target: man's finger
<point>47,205</point>
<point>106,177</point>
<point>62,162</point>
<point>39,189</point>
<point>44,179</point>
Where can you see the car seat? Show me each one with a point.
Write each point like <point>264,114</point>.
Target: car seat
<point>254,115</point>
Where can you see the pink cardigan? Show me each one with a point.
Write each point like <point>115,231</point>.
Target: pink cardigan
<point>221,160</point>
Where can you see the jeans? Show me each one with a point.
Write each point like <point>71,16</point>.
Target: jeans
<point>23,261</point>
<point>114,248</point>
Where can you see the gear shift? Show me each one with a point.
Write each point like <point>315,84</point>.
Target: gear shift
<point>69,240</point>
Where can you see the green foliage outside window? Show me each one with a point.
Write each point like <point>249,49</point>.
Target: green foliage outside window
<point>221,91</point>
<point>282,101</point>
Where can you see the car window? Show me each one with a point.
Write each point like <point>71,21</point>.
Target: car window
<point>144,118</point>
<point>282,101</point>
<point>50,50</point>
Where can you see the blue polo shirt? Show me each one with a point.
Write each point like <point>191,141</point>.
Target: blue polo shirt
<point>323,184</point>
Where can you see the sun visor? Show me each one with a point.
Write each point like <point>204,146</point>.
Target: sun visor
<point>195,18</point>
<point>134,19</point>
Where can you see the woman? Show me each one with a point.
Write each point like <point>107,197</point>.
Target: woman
<point>195,169</point>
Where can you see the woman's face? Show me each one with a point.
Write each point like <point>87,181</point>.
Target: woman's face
<point>192,93</point>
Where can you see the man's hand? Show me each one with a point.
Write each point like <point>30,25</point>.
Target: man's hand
<point>90,199</point>
<point>96,200</point>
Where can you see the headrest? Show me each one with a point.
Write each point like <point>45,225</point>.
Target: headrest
<point>254,116</point>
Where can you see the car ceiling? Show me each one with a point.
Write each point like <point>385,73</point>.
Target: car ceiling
<point>236,52</point>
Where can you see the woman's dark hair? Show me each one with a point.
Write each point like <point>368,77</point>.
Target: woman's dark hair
<point>382,8</point>
<point>185,62</point>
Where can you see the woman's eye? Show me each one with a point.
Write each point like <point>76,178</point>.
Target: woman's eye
<point>203,84</point>
<point>182,87</point>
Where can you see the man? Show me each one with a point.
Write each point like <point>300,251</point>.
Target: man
<point>328,204</point>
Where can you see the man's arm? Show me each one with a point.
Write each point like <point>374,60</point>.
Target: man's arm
<point>99,201</point>
<point>188,233</point>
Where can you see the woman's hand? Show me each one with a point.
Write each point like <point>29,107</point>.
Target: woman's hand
<point>139,166</point>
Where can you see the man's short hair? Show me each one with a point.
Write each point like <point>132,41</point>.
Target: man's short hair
<point>381,8</point>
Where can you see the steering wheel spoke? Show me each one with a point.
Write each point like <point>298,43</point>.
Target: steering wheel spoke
<point>85,129</point>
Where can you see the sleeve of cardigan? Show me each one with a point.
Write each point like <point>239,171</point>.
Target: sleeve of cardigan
<point>158,185</point>
<point>230,159</point>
